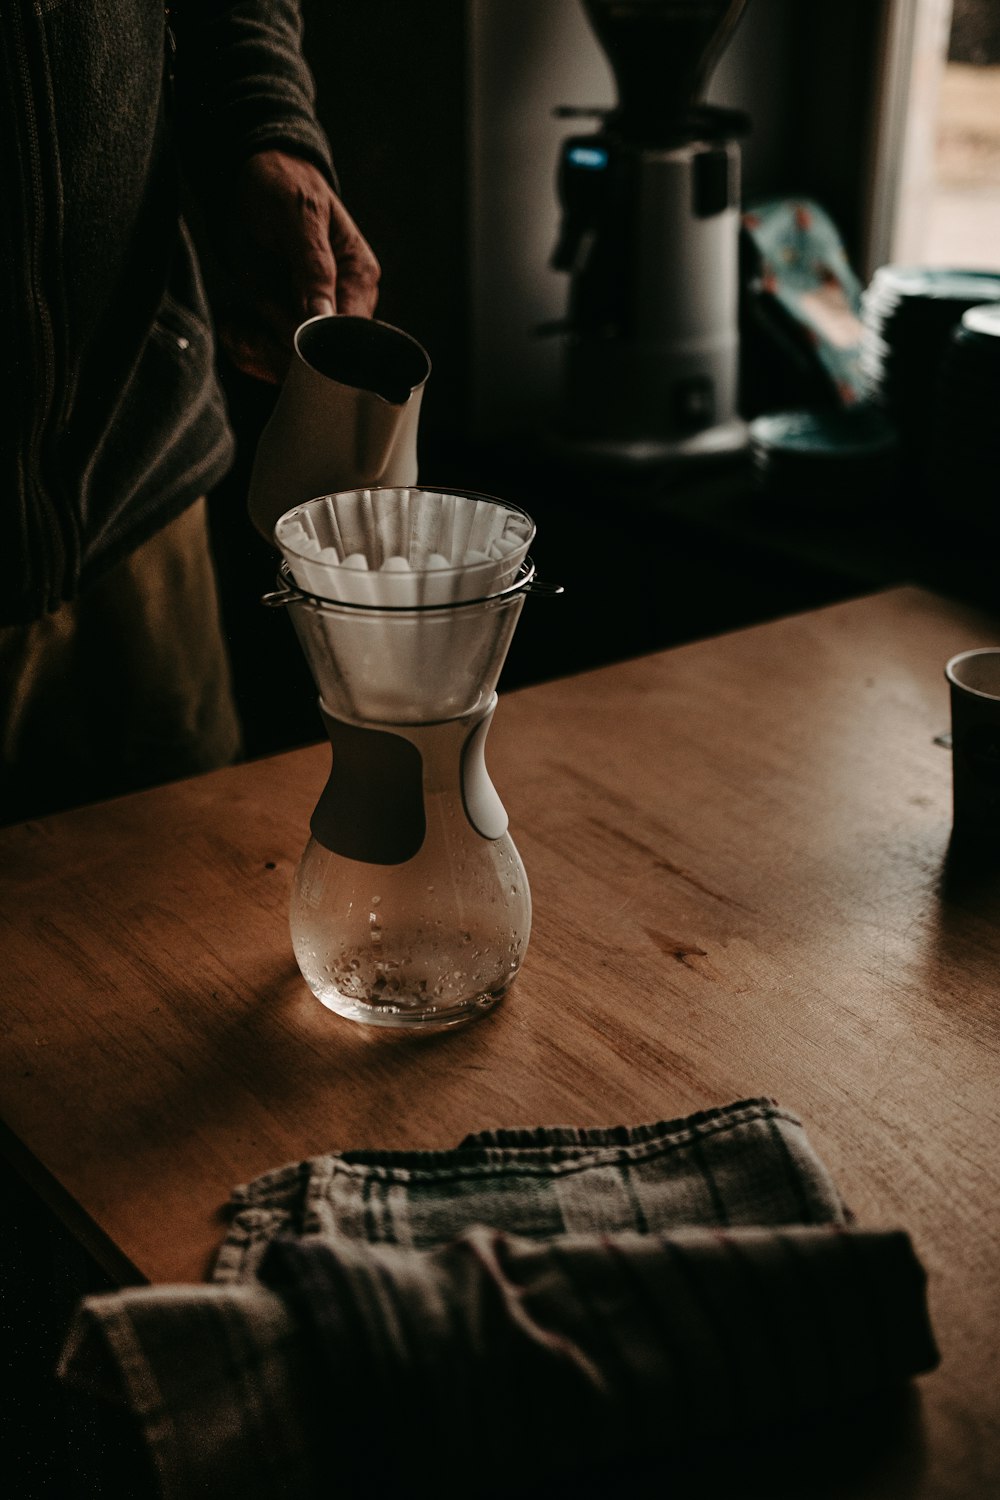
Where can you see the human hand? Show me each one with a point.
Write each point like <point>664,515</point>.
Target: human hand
<point>292,252</point>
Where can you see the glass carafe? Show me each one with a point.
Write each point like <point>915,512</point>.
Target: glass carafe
<point>410,905</point>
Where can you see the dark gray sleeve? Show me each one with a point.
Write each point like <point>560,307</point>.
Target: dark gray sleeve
<point>241,84</point>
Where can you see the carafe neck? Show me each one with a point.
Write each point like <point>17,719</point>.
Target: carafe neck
<point>373,807</point>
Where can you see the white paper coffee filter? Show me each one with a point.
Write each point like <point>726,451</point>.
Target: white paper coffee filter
<point>400,548</point>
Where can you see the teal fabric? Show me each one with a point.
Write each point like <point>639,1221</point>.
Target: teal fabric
<point>804,284</point>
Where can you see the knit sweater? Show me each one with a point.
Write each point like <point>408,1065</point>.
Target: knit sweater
<point>113,420</point>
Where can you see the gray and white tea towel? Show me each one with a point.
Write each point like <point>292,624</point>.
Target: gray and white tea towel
<point>404,1319</point>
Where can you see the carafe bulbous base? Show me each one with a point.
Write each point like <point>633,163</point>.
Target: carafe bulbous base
<point>430,942</point>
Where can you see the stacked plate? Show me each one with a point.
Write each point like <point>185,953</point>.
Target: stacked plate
<point>909,316</point>
<point>965,464</point>
<point>825,462</point>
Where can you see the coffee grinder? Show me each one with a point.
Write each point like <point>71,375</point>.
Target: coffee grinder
<point>650,239</point>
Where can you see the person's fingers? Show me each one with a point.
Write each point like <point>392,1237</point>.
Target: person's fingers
<point>357,290</point>
<point>358,270</point>
<point>312,267</point>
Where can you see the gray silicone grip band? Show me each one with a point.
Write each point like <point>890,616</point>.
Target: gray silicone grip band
<point>372,807</point>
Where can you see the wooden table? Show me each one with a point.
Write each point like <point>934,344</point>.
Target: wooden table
<point>737,851</point>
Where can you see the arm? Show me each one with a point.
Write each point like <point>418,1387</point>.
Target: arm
<point>248,135</point>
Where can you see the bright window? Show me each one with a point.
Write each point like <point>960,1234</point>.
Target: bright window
<point>936,179</point>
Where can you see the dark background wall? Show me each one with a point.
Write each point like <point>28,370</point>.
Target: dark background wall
<point>392,95</point>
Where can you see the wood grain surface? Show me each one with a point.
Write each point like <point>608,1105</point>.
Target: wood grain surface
<point>738,853</point>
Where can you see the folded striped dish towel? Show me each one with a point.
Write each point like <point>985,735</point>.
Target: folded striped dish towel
<point>426,1317</point>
